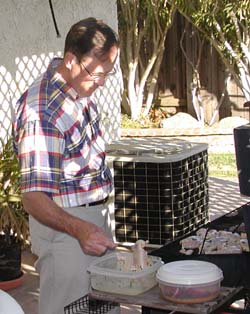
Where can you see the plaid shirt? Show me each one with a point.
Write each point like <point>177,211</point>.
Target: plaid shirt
<point>59,144</point>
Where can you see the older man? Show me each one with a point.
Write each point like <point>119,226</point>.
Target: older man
<point>65,181</point>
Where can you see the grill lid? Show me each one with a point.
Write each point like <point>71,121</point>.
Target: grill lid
<point>189,272</point>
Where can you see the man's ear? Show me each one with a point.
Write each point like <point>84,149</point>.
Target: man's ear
<point>69,60</point>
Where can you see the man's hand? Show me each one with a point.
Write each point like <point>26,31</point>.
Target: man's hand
<point>93,239</point>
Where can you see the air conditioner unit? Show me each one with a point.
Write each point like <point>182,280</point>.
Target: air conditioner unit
<point>160,188</point>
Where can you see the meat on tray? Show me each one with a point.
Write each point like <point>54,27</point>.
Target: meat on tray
<point>211,241</point>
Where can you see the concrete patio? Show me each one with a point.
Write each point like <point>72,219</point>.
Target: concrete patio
<point>224,197</point>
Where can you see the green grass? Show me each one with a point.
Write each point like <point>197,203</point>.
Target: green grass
<point>222,165</point>
<point>141,123</point>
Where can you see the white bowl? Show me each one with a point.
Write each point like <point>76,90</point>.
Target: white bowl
<point>189,281</point>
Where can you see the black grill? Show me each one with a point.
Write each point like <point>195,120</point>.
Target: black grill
<point>85,305</point>
<point>235,267</point>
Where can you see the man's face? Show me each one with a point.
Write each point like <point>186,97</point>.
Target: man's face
<point>90,73</point>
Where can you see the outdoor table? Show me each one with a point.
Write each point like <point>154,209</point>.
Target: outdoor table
<point>151,299</point>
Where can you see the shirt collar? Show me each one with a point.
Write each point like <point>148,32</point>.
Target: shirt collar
<point>59,81</point>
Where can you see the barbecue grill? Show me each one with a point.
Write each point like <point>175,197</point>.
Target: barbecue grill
<point>235,267</point>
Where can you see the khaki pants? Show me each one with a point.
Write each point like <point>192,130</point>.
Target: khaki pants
<point>61,263</point>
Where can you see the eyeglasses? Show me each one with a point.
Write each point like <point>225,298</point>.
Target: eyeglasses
<point>98,75</point>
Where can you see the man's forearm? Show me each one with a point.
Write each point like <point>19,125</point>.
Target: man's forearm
<point>46,211</point>
<point>92,238</point>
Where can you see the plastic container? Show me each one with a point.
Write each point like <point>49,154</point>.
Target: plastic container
<point>189,281</point>
<point>107,274</point>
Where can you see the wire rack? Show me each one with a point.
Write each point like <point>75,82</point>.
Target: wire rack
<point>85,305</point>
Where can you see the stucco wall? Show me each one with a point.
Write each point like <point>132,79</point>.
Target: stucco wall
<point>28,41</point>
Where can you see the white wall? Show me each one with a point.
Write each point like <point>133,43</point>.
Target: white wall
<point>28,41</point>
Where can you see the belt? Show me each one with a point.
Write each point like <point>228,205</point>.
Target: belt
<point>96,203</point>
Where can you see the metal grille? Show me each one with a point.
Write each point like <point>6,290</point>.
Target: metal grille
<point>85,305</point>
<point>160,202</point>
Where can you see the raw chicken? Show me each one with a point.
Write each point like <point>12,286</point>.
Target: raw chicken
<point>140,256</point>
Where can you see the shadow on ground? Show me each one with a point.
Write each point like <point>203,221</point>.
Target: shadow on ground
<point>224,196</point>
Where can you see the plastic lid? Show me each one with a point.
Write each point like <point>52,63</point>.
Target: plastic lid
<point>189,272</point>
